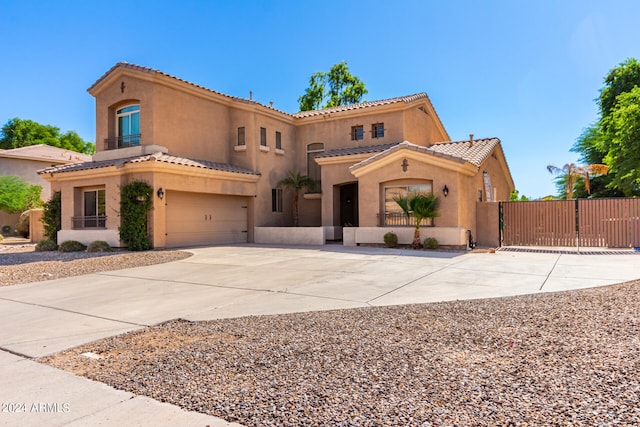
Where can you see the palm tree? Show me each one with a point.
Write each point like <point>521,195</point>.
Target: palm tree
<point>297,182</point>
<point>572,173</point>
<point>422,206</point>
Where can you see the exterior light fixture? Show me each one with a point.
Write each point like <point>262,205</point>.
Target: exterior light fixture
<point>445,190</point>
<point>160,193</point>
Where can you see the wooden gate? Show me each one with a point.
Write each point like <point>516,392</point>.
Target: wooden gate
<point>613,223</point>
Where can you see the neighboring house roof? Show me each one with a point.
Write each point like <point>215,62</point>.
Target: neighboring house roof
<point>45,153</point>
<point>159,157</point>
<point>460,151</point>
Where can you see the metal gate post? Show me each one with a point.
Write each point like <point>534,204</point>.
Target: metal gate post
<point>500,223</point>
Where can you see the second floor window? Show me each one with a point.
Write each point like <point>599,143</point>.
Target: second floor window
<point>377,130</point>
<point>241,139</point>
<point>313,169</point>
<point>263,137</point>
<point>128,119</point>
<point>357,133</point>
<point>278,141</point>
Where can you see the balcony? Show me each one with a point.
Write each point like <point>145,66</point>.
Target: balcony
<point>89,222</point>
<point>125,141</point>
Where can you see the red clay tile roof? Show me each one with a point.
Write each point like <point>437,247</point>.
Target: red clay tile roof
<point>459,151</point>
<point>159,157</point>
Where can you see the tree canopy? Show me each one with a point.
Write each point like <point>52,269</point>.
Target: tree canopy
<point>332,89</point>
<point>18,133</point>
<point>614,140</point>
<point>17,195</point>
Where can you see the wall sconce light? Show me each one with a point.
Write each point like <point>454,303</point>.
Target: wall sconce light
<point>160,193</point>
<point>445,190</point>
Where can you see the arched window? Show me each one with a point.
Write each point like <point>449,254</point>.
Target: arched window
<point>313,169</point>
<point>128,122</point>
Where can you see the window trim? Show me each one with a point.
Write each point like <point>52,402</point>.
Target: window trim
<point>318,147</point>
<point>242,137</point>
<point>263,137</point>
<point>127,138</point>
<point>377,130</point>
<point>355,135</point>
<point>278,140</point>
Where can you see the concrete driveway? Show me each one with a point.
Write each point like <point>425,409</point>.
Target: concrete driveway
<point>230,281</point>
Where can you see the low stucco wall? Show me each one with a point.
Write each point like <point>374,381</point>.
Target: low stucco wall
<point>289,235</point>
<point>36,226</point>
<point>112,237</point>
<point>446,236</point>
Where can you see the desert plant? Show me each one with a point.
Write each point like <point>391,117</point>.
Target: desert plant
<point>46,246</point>
<point>430,243</point>
<point>297,183</point>
<point>136,199</point>
<point>99,246</point>
<point>71,246</point>
<point>52,217</point>
<point>391,239</point>
<point>421,206</point>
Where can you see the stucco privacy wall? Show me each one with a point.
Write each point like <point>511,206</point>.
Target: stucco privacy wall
<point>446,236</point>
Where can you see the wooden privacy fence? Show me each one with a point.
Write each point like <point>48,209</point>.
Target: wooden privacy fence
<point>612,223</point>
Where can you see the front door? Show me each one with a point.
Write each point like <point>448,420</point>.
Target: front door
<point>349,205</point>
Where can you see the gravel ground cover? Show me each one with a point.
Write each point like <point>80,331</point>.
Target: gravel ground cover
<point>21,264</point>
<point>569,358</point>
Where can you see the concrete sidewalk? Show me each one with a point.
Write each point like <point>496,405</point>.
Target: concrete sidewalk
<point>230,281</point>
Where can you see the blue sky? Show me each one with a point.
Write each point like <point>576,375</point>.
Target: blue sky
<point>526,72</point>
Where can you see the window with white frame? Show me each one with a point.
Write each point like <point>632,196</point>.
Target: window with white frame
<point>128,122</point>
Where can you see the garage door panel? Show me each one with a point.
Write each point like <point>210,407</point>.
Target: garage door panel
<point>201,219</point>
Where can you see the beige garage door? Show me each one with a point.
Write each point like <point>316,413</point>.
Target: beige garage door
<point>204,219</point>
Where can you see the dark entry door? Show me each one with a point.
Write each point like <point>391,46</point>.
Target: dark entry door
<point>349,205</point>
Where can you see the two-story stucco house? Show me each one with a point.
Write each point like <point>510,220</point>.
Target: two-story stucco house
<point>215,160</point>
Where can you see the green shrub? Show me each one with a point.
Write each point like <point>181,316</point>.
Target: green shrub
<point>46,246</point>
<point>136,199</point>
<point>52,217</point>
<point>71,246</point>
<point>391,239</point>
<point>430,243</point>
<point>99,246</point>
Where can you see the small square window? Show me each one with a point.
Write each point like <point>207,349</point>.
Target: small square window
<point>278,141</point>
<point>263,137</point>
<point>357,133</point>
<point>377,130</point>
<point>241,138</point>
<point>276,200</point>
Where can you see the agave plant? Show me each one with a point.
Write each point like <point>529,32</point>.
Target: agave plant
<point>422,206</point>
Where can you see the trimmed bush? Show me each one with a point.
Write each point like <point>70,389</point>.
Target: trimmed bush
<point>136,200</point>
<point>391,240</point>
<point>52,217</point>
<point>99,246</point>
<point>71,246</point>
<point>46,246</point>
<point>430,243</point>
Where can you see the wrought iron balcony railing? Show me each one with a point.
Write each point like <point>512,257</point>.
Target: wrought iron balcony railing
<point>399,219</point>
<point>122,142</point>
<point>84,222</point>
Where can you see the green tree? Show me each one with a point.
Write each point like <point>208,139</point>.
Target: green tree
<point>515,196</point>
<point>52,217</point>
<point>421,206</point>
<point>297,183</point>
<point>18,133</point>
<point>623,131</point>
<point>571,174</point>
<point>136,200</point>
<point>332,89</point>
<point>17,195</point>
<point>619,80</point>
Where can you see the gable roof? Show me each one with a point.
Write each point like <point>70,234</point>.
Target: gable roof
<point>349,151</point>
<point>299,115</point>
<point>45,153</point>
<point>159,157</point>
